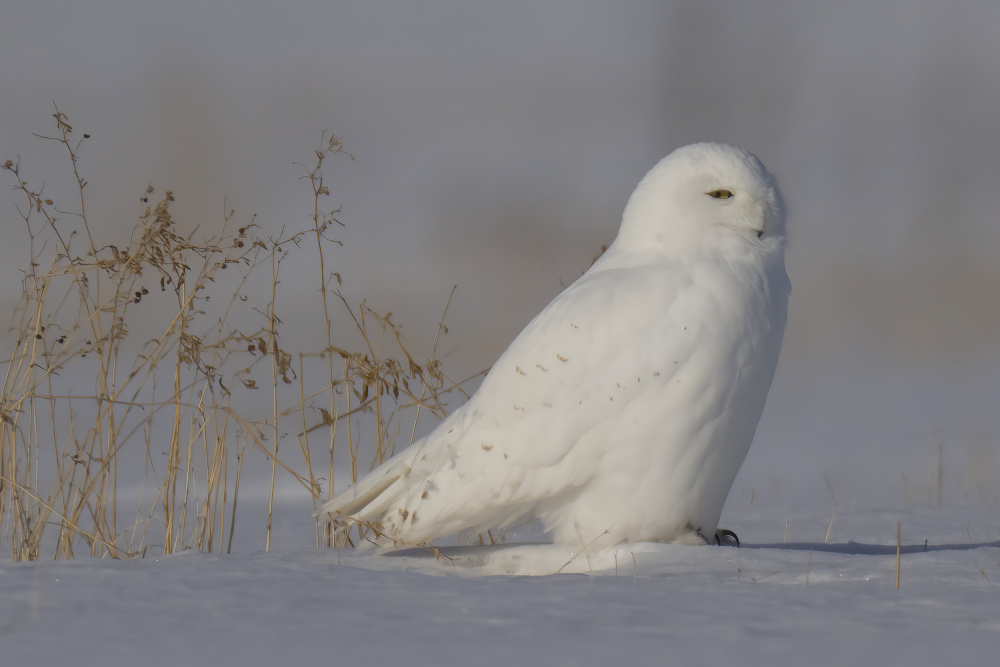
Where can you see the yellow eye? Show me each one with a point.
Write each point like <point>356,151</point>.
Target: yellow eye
<point>720,194</point>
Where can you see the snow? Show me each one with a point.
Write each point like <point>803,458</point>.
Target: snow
<point>784,597</point>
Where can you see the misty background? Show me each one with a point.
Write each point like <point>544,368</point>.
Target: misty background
<point>496,145</point>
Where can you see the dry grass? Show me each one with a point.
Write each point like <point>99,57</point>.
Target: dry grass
<point>112,446</point>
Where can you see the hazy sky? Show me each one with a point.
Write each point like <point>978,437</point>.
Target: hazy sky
<point>496,145</point>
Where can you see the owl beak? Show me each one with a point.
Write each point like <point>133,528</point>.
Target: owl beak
<point>764,217</point>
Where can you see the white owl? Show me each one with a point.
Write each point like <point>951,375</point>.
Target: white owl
<point>624,410</point>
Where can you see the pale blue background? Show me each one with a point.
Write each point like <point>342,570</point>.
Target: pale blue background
<point>496,145</point>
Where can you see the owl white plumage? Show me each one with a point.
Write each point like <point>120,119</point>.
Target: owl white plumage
<point>624,410</point>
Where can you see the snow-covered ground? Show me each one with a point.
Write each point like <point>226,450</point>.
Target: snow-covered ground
<point>785,597</point>
<point>801,589</point>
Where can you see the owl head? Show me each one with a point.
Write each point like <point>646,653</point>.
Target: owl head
<point>705,198</point>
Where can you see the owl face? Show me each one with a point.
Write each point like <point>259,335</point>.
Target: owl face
<point>709,197</point>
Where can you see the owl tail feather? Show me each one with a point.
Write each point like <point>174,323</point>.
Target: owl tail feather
<point>364,504</point>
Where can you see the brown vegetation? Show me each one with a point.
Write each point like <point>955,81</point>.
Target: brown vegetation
<point>80,395</point>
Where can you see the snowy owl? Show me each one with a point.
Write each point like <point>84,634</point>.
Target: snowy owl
<point>624,410</point>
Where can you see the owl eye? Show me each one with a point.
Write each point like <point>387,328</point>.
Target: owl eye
<point>720,194</point>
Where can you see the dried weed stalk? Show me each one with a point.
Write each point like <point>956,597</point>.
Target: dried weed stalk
<point>81,396</point>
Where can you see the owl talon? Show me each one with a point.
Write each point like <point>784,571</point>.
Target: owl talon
<point>722,534</point>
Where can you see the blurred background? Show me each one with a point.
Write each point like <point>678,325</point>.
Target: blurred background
<point>496,144</point>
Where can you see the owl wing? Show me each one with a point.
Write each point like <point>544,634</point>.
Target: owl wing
<point>513,447</point>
